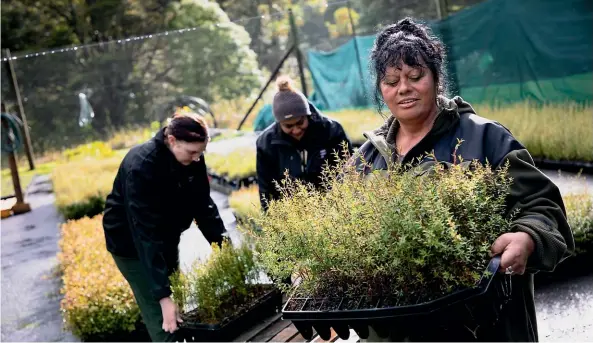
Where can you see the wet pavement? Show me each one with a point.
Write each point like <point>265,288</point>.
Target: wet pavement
<point>565,311</point>
<point>29,246</point>
<point>30,291</point>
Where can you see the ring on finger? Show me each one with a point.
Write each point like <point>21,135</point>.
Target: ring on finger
<point>509,270</point>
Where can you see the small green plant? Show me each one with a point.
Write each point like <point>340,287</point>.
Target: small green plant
<point>220,287</point>
<point>408,234</point>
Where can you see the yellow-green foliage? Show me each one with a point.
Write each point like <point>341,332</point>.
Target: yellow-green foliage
<point>89,151</point>
<point>245,201</point>
<point>392,233</point>
<point>81,186</point>
<point>125,139</point>
<point>97,299</point>
<point>246,205</point>
<point>355,122</point>
<point>229,113</point>
<point>236,164</point>
<point>579,212</point>
<point>557,132</point>
<point>25,175</point>
<point>224,278</point>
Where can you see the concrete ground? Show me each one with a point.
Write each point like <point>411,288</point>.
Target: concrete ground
<point>30,294</point>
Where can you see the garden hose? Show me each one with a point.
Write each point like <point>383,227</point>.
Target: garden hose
<point>11,134</point>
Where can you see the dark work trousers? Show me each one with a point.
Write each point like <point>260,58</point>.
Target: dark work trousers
<point>134,272</point>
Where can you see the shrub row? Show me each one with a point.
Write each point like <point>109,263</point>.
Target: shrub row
<point>81,186</point>
<point>554,132</point>
<point>246,205</point>
<point>98,302</point>
<point>237,164</point>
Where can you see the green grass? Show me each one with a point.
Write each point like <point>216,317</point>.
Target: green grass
<point>25,176</point>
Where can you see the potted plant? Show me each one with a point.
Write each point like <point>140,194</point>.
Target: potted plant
<point>390,248</point>
<point>223,296</point>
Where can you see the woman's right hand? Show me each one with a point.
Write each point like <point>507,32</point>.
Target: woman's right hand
<point>170,315</point>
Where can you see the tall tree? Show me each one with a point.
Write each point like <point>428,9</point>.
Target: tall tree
<point>125,79</point>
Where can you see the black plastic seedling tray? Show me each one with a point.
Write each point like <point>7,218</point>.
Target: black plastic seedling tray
<point>267,305</point>
<point>479,306</point>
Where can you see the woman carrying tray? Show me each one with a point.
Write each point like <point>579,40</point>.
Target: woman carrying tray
<point>160,187</point>
<point>300,142</point>
<point>408,63</point>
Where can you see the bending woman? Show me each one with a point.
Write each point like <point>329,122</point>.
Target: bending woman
<point>160,187</point>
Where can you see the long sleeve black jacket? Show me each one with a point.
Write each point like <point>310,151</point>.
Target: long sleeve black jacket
<point>541,212</point>
<point>304,160</point>
<point>154,199</point>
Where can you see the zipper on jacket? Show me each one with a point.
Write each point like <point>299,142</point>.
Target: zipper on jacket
<point>303,160</point>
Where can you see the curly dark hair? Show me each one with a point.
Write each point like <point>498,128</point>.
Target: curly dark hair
<point>411,43</point>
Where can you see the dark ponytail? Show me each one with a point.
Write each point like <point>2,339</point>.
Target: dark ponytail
<point>188,127</point>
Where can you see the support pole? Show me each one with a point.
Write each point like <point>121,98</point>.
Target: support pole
<point>295,37</point>
<point>272,77</point>
<point>447,36</point>
<point>20,206</point>
<point>17,92</point>
<point>364,88</point>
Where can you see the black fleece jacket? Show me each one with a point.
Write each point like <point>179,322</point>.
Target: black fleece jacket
<point>541,209</point>
<point>154,199</point>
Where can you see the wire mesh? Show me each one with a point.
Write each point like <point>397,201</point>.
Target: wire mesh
<point>83,93</point>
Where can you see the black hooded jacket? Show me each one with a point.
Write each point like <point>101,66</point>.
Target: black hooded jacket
<point>154,199</point>
<point>304,160</point>
<point>541,209</point>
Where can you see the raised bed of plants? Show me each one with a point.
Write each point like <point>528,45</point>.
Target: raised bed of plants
<point>222,297</point>
<point>98,303</point>
<point>227,185</point>
<point>564,165</point>
<point>471,307</point>
<point>245,205</point>
<point>232,170</point>
<point>82,180</point>
<point>579,211</point>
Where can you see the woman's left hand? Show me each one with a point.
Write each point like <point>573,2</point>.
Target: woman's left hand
<point>515,247</point>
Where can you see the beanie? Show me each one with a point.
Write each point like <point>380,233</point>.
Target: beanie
<point>288,102</point>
